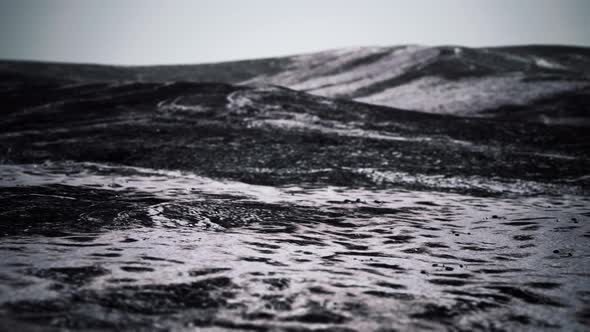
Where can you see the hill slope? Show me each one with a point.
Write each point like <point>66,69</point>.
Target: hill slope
<point>539,83</point>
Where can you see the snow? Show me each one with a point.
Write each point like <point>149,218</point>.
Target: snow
<point>350,72</point>
<point>544,63</point>
<point>437,95</point>
<point>321,73</point>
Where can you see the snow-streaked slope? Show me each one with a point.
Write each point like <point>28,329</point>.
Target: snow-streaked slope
<point>451,80</point>
<point>345,72</point>
<point>445,79</point>
<point>469,95</point>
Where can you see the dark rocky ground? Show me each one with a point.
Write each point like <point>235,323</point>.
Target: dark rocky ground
<point>183,205</point>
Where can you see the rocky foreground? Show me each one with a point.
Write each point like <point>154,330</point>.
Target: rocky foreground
<point>144,198</point>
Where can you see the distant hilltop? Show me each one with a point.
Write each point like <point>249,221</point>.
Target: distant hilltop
<point>511,81</point>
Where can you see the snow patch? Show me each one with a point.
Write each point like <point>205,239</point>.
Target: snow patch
<point>544,63</point>
<point>468,96</point>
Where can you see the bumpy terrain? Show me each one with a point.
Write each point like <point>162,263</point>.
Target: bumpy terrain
<point>455,196</point>
<point>548,84</point>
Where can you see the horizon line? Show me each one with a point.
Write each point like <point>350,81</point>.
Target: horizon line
<point>163,64</point>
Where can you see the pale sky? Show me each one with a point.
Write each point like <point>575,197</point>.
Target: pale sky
<point>197,31</point>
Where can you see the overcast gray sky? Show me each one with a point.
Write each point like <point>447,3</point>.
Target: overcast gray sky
<point>167,31</point>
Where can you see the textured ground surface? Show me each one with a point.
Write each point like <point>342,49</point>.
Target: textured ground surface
<point>190,206</point>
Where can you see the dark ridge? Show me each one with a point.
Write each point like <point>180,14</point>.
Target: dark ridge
<point>229,72</point>
<point>569,108</point>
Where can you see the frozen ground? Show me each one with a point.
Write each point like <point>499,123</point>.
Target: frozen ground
<point>174,205</point>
